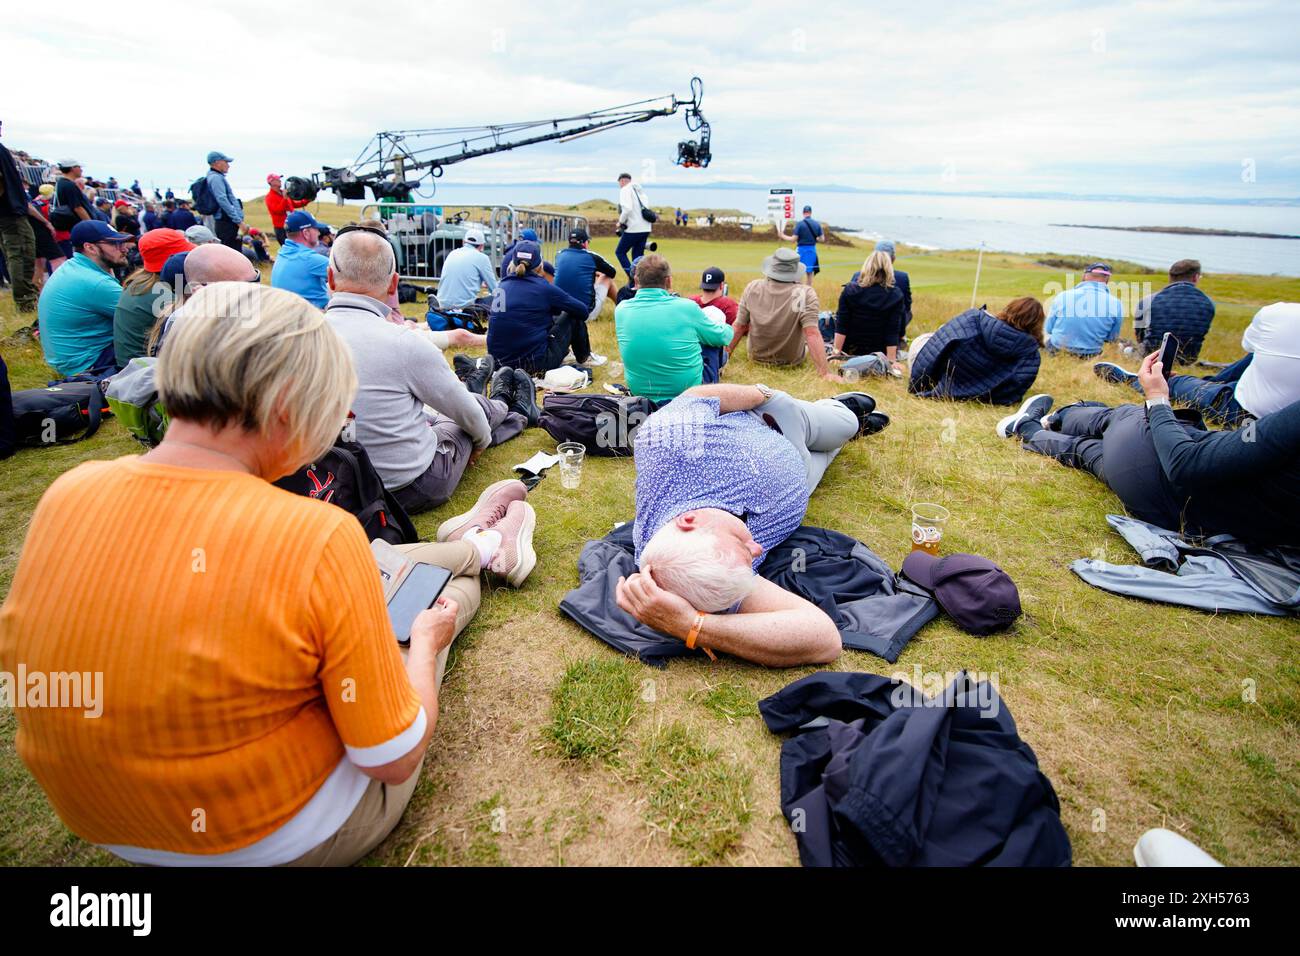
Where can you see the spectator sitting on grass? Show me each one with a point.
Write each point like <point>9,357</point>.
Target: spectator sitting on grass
<point>783,316</point>
<point>1180,308</point>
<point>870,314</point>
<point>78,302</point>
<point>420,455</point>
<point>288,617</point>
<point>713,291</point>
<point>1265,381</point>
<point>143,295</point>
<point>1171,473</point>
<point>1083,319</point>
<point>724,473</point>
<point>981,357</point>
<point>661,336</point>
<point>531,323</point>
<point>467,277</point>
<point>298,267</point>
<point>588,278</point>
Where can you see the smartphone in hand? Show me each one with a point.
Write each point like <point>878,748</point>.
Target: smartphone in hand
<point>1168,352</point>
<point>416,593</point>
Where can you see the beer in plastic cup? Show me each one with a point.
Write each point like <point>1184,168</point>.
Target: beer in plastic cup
<point>571,455</point>
<point>928,520</point>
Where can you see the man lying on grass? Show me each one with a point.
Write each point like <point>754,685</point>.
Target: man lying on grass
<point>723,475</point>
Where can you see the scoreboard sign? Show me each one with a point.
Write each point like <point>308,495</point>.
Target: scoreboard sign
<point>780,204</point>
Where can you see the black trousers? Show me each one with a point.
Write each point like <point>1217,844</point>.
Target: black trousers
<point>1115,445</point>
<point>227,232</point>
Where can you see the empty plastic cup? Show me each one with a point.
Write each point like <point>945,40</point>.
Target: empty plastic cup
<point>571,455</point>
<point>928,521</point>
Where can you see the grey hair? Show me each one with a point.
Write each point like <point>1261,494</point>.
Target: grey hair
<point>694,566</point>
<point>363,259</point>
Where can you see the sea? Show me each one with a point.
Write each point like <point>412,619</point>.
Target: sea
<point>1008,224</point>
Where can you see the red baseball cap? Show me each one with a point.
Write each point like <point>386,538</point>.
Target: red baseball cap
<point>120,203</point>
<point>158,245</point>
<point>272,177</point>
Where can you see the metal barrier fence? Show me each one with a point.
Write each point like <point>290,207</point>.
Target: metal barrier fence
<point>36,175</point>
<point>422,237</point>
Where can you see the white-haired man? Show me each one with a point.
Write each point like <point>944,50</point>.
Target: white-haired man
<point>466,274</point>
<point>724,473</point>
<point>420,456</point>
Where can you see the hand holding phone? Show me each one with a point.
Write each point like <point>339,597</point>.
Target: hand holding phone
<point>437,624</point>
<point>418,592</point>
<point>1168,352</point>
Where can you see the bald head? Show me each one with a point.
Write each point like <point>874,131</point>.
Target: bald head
<point>362,262</point>
<point>213,262</point>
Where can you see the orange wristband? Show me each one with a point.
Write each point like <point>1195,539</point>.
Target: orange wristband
<point>695,633</point>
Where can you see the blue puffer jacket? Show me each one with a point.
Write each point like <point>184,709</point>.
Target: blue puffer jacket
<point>1184,310</point>
<point>978,357</point>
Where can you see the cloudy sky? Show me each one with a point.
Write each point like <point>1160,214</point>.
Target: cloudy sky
<point>1145,98</point>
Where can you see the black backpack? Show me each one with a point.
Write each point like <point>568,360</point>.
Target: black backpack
<point>205,204</point>
<point>8,431</point>
<point>65,412</point>
<point>407,293</point>
<point>344,476</point>
<point>604,423</point>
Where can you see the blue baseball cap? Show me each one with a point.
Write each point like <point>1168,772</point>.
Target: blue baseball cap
<point>173,269</point>
<point>301,219</point>
<point>807,208</point>
<point>529,253</point>
<point>94,230</point>
<point>217,156</point>
<point>884,245</point>
<point>528,234</point>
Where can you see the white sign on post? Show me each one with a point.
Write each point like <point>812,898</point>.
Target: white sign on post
<point>780,204</point>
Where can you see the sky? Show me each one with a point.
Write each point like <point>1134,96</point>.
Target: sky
<point>1136,99</point>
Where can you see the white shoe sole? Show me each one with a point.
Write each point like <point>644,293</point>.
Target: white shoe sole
<point>460,523</point>
<point>524,549</point>
<point>1006,426</point>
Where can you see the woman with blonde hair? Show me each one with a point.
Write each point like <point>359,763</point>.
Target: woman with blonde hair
<point>871,313</point>
<point>258,711</point>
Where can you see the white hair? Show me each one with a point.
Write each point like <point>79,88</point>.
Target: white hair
<point>363,259</point>
<point>694,566</point>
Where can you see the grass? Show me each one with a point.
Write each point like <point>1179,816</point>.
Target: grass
<point>592,706</point>
<point>1142,715</point>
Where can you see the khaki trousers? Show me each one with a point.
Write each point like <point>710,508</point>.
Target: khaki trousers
<point>382,804</point>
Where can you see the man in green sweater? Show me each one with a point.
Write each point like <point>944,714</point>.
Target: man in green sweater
<point>660,335</point>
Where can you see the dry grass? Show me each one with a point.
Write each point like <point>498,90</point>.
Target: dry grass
<point>1134,709</point>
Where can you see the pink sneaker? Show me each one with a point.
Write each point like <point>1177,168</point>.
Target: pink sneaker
<point>487,511</point>
<point>515,559</point>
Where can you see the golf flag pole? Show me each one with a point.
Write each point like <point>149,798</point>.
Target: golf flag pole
<point>978,262</point>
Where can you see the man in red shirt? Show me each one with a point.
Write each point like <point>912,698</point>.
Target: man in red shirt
<point>279,205</point>
<point>713,291</point>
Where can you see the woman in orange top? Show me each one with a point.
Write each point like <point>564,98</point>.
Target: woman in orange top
<point>239,696</point>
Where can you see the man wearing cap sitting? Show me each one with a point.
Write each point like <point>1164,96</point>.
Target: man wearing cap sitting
<point>299,268</point>
<point>589,278</point>
<point>230,211</point>
<point>144,296</point>
<point>780,317</point>
<point>1083,319</point>
<point>179,215</point>
<point>713,291</point>
<point>78,302</point>
<point>661,336</point>
<point>724,473</point>
<point>466,273</point>
<point>279,205</point>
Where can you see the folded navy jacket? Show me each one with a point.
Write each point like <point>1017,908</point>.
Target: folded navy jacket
<point>874,609</point>
<point>880,775</point>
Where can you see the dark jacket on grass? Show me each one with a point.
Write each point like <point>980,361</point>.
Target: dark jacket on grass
<point>871,318</point>
<point>1184,310</point>
<point>874,609</point>
<point>885,776</point>
<point>978,357</point>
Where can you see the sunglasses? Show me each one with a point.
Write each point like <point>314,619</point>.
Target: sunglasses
<point>366,229</point>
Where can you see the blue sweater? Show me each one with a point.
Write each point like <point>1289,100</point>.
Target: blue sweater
<point>976,356</point>
<point>523,311</point>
